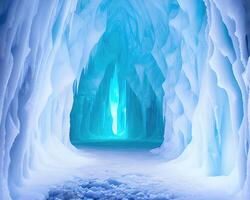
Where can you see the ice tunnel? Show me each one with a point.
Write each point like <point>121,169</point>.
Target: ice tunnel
<point>169,75</point>
<point>116,98</point>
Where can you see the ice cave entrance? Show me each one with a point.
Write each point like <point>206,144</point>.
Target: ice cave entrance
<point>115,116</point>
<point>119,96</point>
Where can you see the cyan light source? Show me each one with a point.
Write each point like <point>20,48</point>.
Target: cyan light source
<point>114,101</point>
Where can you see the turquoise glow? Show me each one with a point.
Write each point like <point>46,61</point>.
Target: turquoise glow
<point>119,96</point>
<point>117,105</point>
<point>114,101</point>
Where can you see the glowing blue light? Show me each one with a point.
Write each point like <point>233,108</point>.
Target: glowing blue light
<point>114,101</point>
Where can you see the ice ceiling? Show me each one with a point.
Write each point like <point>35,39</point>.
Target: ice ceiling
<point>183,65</point>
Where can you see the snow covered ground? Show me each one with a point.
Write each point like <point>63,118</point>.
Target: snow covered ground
<point>107,189</point>
<point>126,174</point>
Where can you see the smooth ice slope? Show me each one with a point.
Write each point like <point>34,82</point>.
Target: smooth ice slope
<point>196,58</point>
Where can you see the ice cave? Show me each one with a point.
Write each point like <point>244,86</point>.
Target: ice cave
<point>124,100</point>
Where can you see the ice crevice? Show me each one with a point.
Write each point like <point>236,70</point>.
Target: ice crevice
<point>186,61</point>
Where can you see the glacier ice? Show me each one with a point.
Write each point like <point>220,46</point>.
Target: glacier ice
<point>190,58</point>
<point>120,62</point>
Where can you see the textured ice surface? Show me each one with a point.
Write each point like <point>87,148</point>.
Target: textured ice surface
<point>109,189</point>
<point>120,93</point>
<point>195,56</point>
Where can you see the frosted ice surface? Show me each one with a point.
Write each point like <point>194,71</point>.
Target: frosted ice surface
<point>109,189</point>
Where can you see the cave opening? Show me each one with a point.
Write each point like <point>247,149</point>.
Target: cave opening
<point>118,73</point>
<point>118,100</point>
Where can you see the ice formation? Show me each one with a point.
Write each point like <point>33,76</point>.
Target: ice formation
<point>106,190</point>
<point>120,62</point>
<point>189,57</point>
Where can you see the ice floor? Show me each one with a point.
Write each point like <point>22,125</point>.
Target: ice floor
<point>120,144</point>
<point>104,189</point>
<point>126,174</point>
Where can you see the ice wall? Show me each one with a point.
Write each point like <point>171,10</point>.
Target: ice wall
<point>200,47</point>
<point>206,106</point>
<point>209,104</point>
<point>35,94</point>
